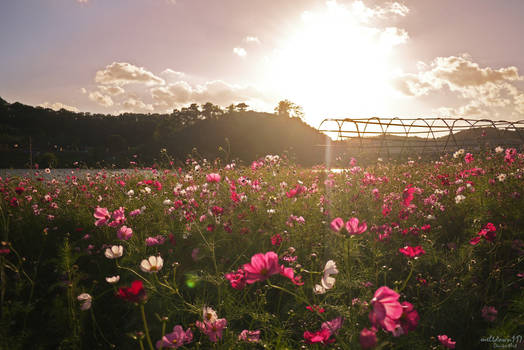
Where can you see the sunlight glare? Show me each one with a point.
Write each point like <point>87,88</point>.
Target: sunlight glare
<point>336,63</point>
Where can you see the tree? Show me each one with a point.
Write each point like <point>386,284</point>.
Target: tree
<point>288,109</point>
<point>242,107</point>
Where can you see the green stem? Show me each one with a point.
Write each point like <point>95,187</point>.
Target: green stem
<point>407,279</point>
<point>146,328</point>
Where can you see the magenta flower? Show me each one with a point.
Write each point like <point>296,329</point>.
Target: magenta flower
<point>407,195</point>
<point>213,177</point>
<point>175,339</point>
<point>135,294</point>
<point>290,273</point>
<point>386,309</point>
<point>261,267</point>
<point>488,232</point>
<point>322,336</point>
<point>412,252</point>
<point>354,228</point>
<point>489,313</point>
<point>408,321</point>
<point>446,341</point>
<point>368,338</point>
<point>469,158</point>
<point>237,279</point>
<point>102,216</point>
<point>337,224</point>
<point>249,336</point>
<point>212,329</point>
<point>124,233</point>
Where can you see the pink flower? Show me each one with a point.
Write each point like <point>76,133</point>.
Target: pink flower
<point>261,267</point>
<point>152,241</point>
<point>386,309</point>
<point>290,273</point>
<point>237,279</point>
<point>412,252</point>
<point>102,215</point>
<point>407,195</point>
<point>337,224</point>
<point>249,336</point>
<point>469,158</point>
<point>368,338</point>
<point>213,177</point>
<point>488,232</point>
<point>124,233</point>
<point>322,337</point>
<point>276,239</point>
<point>446,341</point>
<point>334,325</point>
<point>408,320</point>
<point>316,308</point>
<point>175,339</point>
<point>212,329</point>
<point>489,313</point>
<point>354,228</point>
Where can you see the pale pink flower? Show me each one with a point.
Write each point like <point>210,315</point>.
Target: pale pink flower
<point>249,336</point>
<point>354,228</point>
<point>212,329</point>
<point>337,224</point>
<point>86,301</point>
<point>446,341</point>
<point>213,177</point>
<point>124,233</point>
<point>152,264</point>
<point>102,216</point>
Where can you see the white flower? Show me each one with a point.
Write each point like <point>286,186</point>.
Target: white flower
<point>130,193</point>
<point>327,281</point>
<point>153,264</point>
<point>208,314</point>
<point>499,149</point>
<point>114,252</point>
<point>458,153</point>
<point>501,177</point>
<point>167,202</point>
<point>459,198</point>
<point>86,301</point>
<point>113,279</point>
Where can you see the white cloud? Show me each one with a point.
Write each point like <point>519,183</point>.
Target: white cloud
<point>102,100</point>
<point>58,106</point>
<point>113,90</point>
<point>252,39</point>
<point>239,51</point>
<point>123,73</point>
<point>171,75</point>
<point>218,92</point>
<point>484,87</point>
<point>136,105</point>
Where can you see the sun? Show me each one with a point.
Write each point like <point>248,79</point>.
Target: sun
<point>334,63</point>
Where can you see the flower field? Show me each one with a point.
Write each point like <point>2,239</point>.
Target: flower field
<point>395,255</point>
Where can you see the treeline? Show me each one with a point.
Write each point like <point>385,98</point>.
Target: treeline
<point>30,135</point>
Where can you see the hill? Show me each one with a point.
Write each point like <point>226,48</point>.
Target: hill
<point>60,138</point>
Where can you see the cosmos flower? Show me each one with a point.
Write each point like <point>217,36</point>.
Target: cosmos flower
<point>153,264</point>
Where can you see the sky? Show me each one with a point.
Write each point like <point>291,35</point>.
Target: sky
<point>345,58</point>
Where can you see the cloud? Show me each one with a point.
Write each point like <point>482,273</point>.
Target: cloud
<point>102,100</point>
<point>239,51</point>
<point>136,105</point>
<point>58,106</point>
<point>485,87</point>
<point>171,75</point>
<point>113,90</point>
<point>218,92</point>
<point>123,73</point>
<point>251,39</point>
